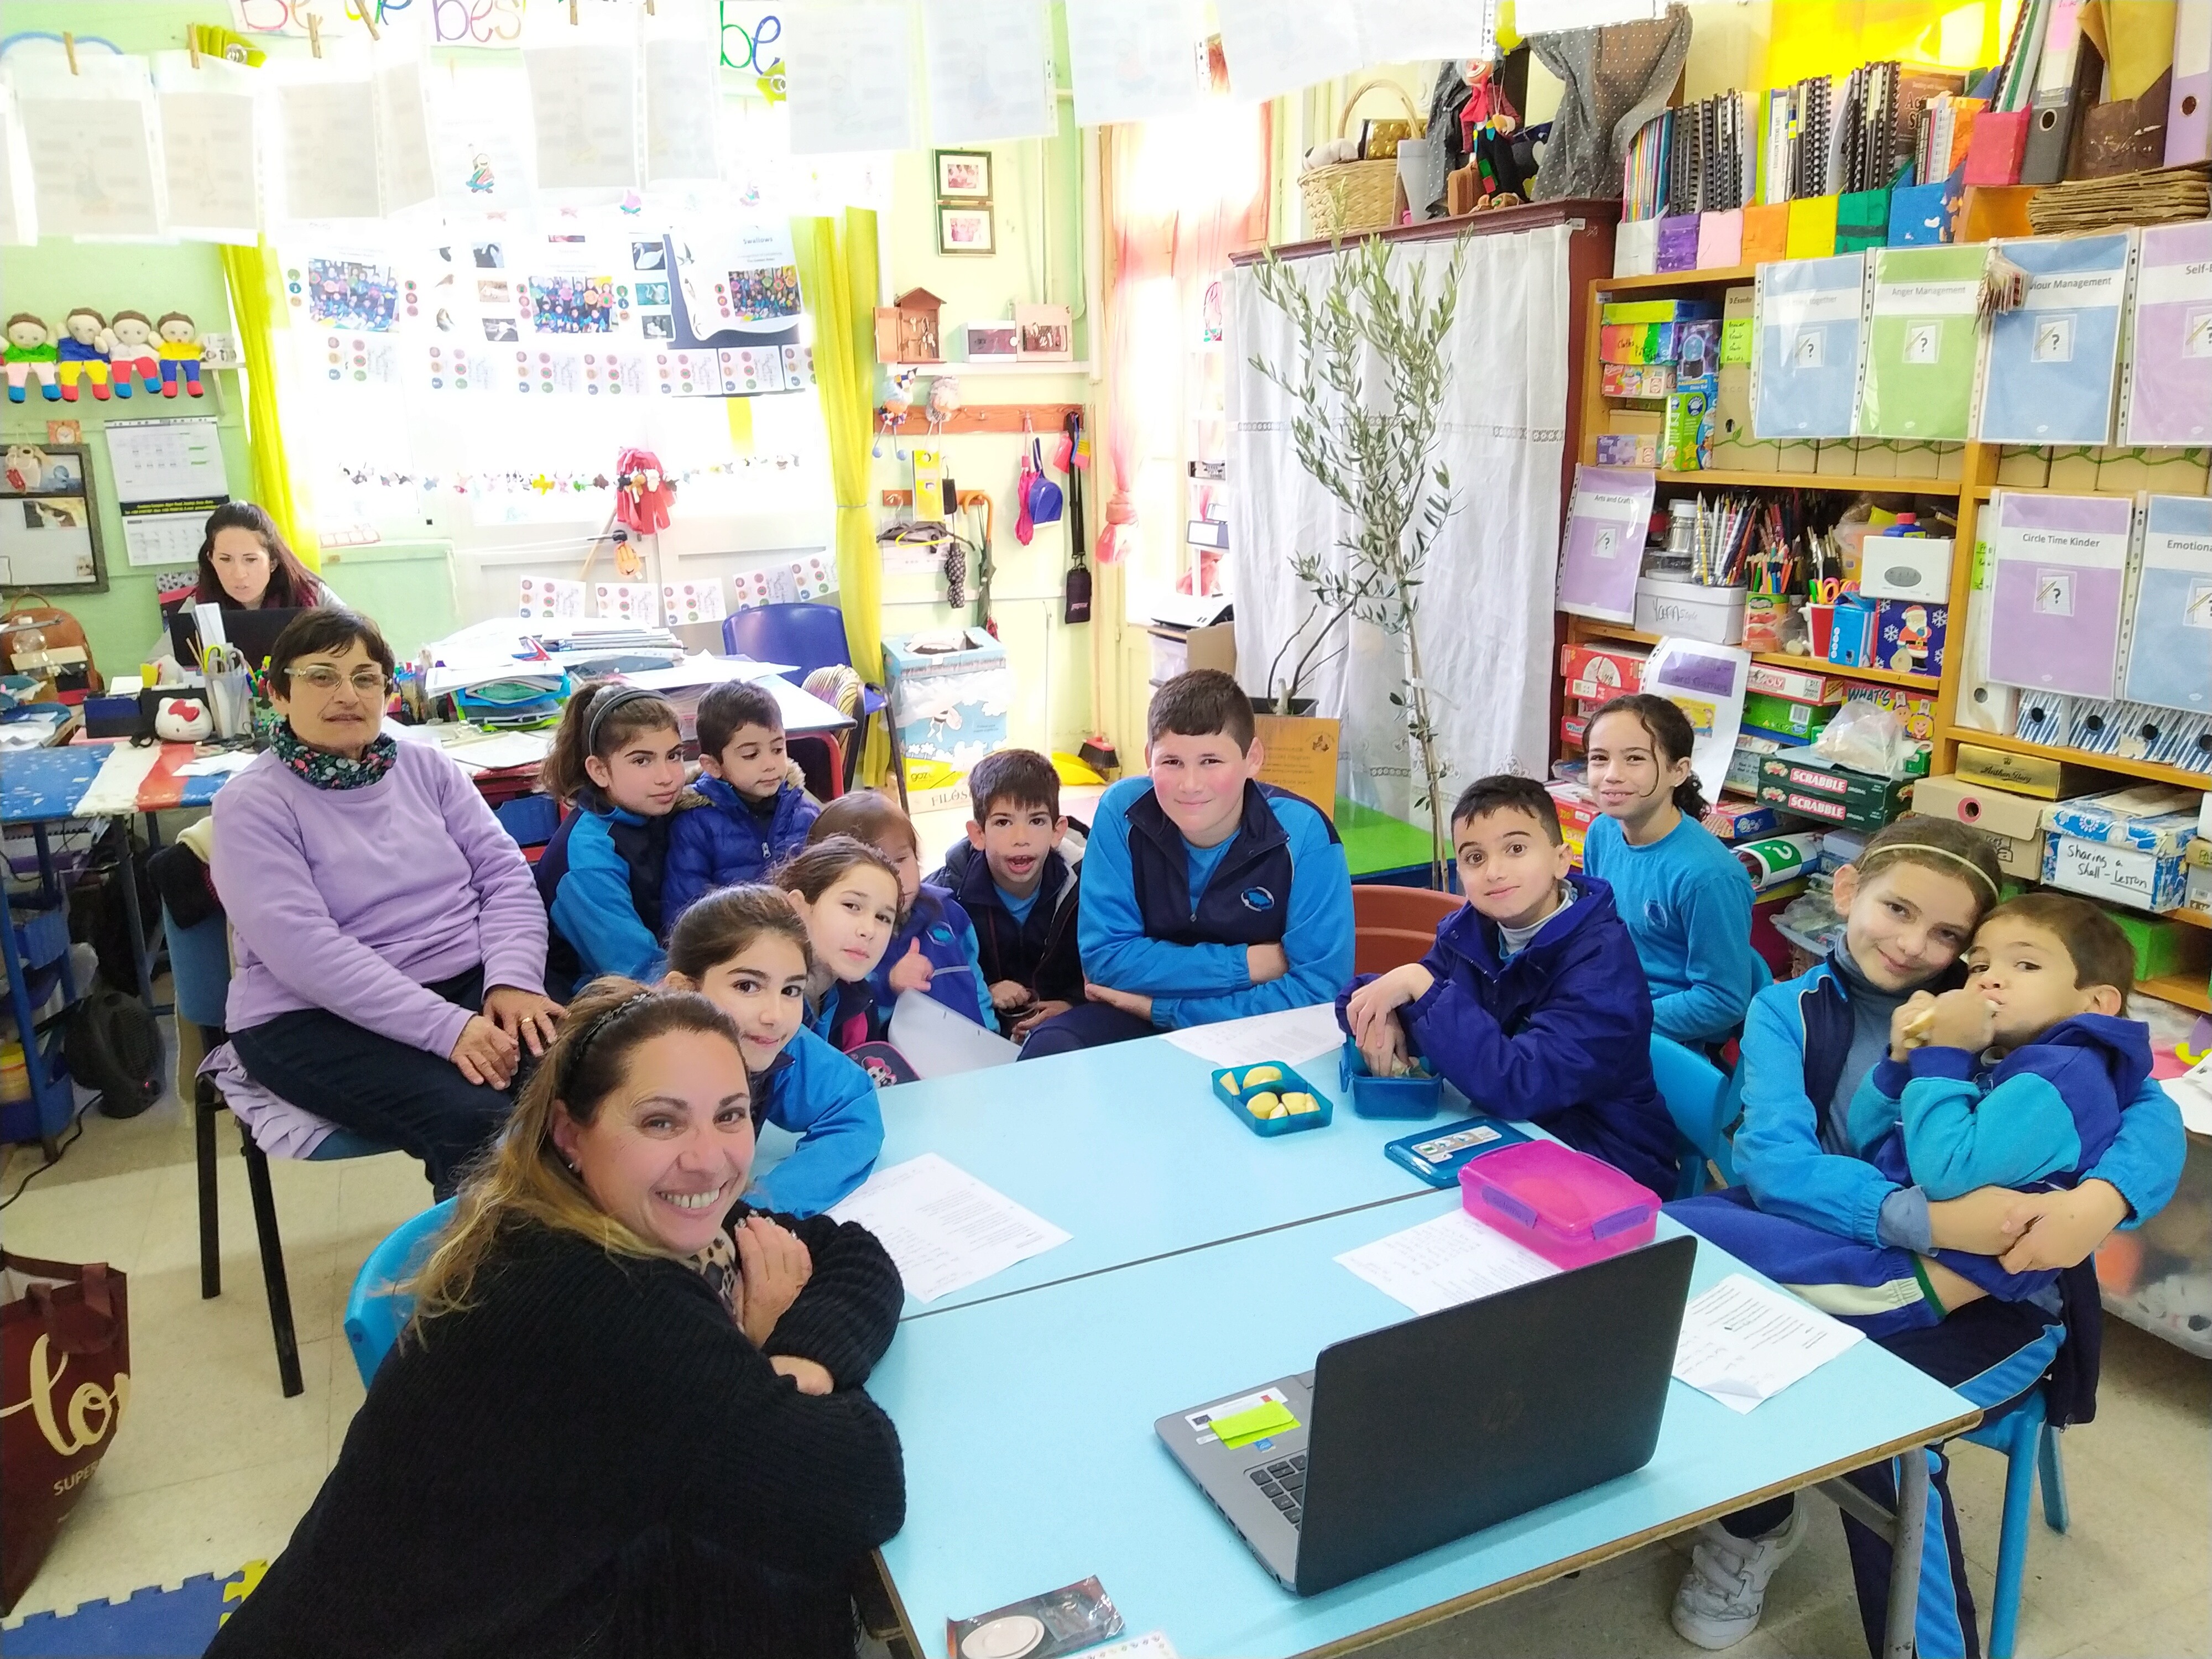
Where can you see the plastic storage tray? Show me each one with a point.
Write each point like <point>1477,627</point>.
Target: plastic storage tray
<point>1409,1097</point>
<point>1290,1082</point>
<point>1569,1207</point>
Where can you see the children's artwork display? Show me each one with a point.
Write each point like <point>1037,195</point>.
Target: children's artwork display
<point>1707,684</point>
<point>322,130</point>
<point>210,163</point>
<point>551,598</point>
<point>693,602</point>
<point>91,140</point>
<point>348,294</point>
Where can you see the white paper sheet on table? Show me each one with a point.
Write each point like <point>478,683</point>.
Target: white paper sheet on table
<point>1444,1263</point>
<point>508,749</point>
<point>704,670</point>
<point>231,760</point>
<point>945,1229</point>
<point>1289,1035</point>
<point>1742,1342</point>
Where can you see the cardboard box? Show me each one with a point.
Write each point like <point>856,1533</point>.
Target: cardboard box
<point>1627,449</point>
<point>1602,673</point>
<point>1639,343</point>
<point>1657,311</point>
<point>2026,774</point>
<point>2196,882</point>
<point>2013,824</point>
<point>1830,794</point>
<point>1800,721</point>
<point>1636,380</point>
<point>2150,817</point>
<point>948,705</point>
<point>2099,869</point>
<point>1573,729</point>
<point>1178,650</point>
<point>1744,761</point>
<point>1796,684</point>
<point>1298,752</point>
<point>1578,807</point>
<point>1745,820</point>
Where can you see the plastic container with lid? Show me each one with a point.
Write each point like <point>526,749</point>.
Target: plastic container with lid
<point>1238,1086</point>
<point>1569,1207</point>
<point>1411,1098</point>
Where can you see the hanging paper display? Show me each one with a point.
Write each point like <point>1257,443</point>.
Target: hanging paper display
<point>573,305</point>
<point>1135,60</point>
<point>692,602</point>
<point>550,598</point>
<point>630,602</point>
<point>324,166</point>
<point>454,366</point>
<point>335,19</point>
<point>683,98</point>
<point>583,101</point>
<point>849,77</point>
<point>814,577</point>
<point>90,138</point>
<point>406,177</point>
<point>480,127</point>
<point>990,70</point>
<point>1408,30</point>
<point>1275,48</point>
<point>19,216</point>
<point>355,294</point>
<point>208,152</point>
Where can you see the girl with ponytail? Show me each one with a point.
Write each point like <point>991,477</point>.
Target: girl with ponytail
<point>1685,898</point>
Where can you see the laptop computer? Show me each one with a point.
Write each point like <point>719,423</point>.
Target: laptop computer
<point>253,632</point>
<point>1425,1432</point>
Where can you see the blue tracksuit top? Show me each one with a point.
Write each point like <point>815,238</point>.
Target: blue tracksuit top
<point>1280,880</point>
<point>1559,1034</point>
<point>948,942</point>
<point>718,841</point>
<point>1687,901</point>
<point>2042,1117</point>
<point>1794,1040</point>
<point>600,877</point>
<point>829,1104</point>
<point>1037,951</point>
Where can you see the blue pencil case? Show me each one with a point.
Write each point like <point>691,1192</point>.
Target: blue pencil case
<point>1437,1156</point>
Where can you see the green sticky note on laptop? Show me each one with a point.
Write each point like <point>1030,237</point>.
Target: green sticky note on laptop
<point>1242,1428</point>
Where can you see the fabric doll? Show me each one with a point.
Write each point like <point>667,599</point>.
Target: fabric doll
<point>180,354</point>
<point>81,353</point>
<point>30,352</point>
<point>130,343</point>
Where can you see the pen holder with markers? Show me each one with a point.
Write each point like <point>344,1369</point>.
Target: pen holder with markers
<point>1271,1099</point>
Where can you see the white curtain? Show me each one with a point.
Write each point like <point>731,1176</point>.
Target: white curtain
<point>1485,610</point>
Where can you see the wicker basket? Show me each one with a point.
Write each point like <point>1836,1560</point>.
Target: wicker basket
<point>1348,197</point>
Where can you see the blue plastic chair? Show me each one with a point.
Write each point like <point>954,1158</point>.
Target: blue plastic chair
<point>2030,1446</point>
<point>377,1309</point>
<point>809,636</point>
<point>1697,1096</point>
<point>199,972</point>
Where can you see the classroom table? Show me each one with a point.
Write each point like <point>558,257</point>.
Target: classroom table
<point>1381,849</point>
<point>1127,1149</point>
<point>1032,1460</point>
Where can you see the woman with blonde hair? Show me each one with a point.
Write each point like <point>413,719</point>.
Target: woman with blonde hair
<point>626,1417</point>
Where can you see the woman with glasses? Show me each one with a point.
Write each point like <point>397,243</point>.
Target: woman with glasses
<point>389,942</point>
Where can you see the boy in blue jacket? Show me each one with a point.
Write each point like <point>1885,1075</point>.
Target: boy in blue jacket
<point>1020,893</point>
<point>747,815</point>
<point>1207,895</point>
<point>1533,1004</point>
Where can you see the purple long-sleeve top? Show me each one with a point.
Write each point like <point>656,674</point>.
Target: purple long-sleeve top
<point>356,900</point>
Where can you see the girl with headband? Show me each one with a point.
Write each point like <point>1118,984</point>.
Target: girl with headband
<point>627,1415</point>
<point>618,760</point>
<point>1910,903</point>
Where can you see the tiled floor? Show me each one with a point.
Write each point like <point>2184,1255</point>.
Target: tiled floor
<point>212,1467</point>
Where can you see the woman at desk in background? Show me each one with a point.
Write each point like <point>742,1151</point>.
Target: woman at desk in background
<point>245,565</point>
<point>626,1417</point>
<point>389,942</point>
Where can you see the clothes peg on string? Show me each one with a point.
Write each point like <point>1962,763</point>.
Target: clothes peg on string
<point>369,20</point>
<point>572,13</point>
<point>68,45</point>
<point>192,45</point>
<point>315,33</point>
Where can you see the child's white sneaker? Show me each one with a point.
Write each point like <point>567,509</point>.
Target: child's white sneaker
<point>1724,1591</point>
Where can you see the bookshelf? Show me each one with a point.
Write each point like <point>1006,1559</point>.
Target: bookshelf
<point>1969,493</point>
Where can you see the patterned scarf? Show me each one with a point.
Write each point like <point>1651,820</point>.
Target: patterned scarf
<point>328,771</point>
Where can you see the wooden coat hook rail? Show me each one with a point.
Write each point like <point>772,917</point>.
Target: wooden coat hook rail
<point>905,498</point>
<point>973,418</point>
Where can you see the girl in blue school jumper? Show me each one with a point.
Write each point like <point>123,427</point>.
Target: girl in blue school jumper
<point>746,951</point>
<point>934,950</point>
<point>1686,897</point>
<point>1911,903</point>
<point>846,892</point>
<point>618,760</point>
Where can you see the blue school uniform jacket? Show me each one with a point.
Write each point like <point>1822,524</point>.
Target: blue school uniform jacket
<point>847,1017</point>
<point>720,841</point>
<point>1039,953</point>
<point>1796,1039</point>
<point>948,942</point>
<point>1280,880</point>
<point>1560,1034</point>
<point>600,877</point>
<point>826,1100</point>
<point>2041,1117</point>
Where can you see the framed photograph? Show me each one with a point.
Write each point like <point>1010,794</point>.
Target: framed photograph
<point>993,342</point>
<point>963,175</point>
<point>49,521</point>
<point>1045,333</point>
<point>965,230</point>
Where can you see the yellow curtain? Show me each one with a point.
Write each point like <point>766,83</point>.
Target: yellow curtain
<point>837,277</point>
<point>256,301</point>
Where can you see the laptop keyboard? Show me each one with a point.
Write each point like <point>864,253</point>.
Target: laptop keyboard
<point>1283,1483</point>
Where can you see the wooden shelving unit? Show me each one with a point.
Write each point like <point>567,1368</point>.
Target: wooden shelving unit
<point>1969,490</point>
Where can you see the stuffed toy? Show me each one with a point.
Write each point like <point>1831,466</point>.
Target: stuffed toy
<point>30,353</point>
<point>82,354</point>
<point>180,354</point>
<point>131,351</point>
<point>644,493</point>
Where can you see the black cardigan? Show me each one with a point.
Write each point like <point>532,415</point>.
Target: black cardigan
<point>593,1460</point>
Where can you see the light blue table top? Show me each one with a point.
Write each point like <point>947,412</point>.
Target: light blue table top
<point>1031,1461</point>
<point>1127,1149</point>
<point>39,786</point>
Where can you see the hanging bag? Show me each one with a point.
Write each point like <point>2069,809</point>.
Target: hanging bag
<point>64,1379</point>
<point>1044,494</point>
<point>1076,602</point>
